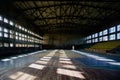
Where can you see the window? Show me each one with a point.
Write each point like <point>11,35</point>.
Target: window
<point>96,35</point>
<point>1,44</point>
<point>86,38</point>
<point>100,33</point>
<point>16,33</point>
<point>20,45</point>
<point>112,37</point>
<point>105,38</point>
<point>89,37</point>
<point>11,36</point>
<point>96,40</point>
<point>20,34</point>
<point>11,44</point>
<point>20,38</point>
<point>28,31</point>
<point>118,28</point>
<point>0,28</point>
<point>5,30</point>
<point>25,36</point>
<point>23,45</point>
<point>16,26</point>
<point>25,39</point>
<point>6,35</point>
<point>105,32</point>
<point>20,27</point>
<point>93,36</point>
<point>100,39</point>
<point>111,30</point>
<point>36,45</point>
<point>0,18</point>
<point>92,41</point>
<point>0,34</point>
<point>16,37</point>
<point>6,45</point>
<point>5,20</point>
<point>11,23</point>
<point>16,45</point>
<point>118,35</point>
<point>25,30</point>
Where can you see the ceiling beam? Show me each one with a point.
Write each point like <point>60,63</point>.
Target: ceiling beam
<point>69,17</point>
<point>67,24</point>
<point>77,3</point>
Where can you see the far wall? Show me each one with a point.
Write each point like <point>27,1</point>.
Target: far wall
<point>59,39</point>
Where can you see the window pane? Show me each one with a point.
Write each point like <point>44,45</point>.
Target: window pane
<point>100,39</point>
<point>105,38</point>
<point>118,28</point>
<point>20,34</point>
<point>11,44</point>
<point>0,18</point>
<point>92,41</point>
<point>23,28</point>
<point>0,44</point>
<point>20,27</point>
<point>111,30</point>
<point>23,39</point>
<point>11,36</point>
<point>19,45</point>
<point>93,36</point>
<point>96,40</point>
<point>100,33</point>
<point>16,37</point>
<point>0,28</point>
<point>6,45</point>
<point>5,35</point>
<point>0,34</point>
<point>118,35</point>
<point>20,38</point>
<point>16,45</point>
<point>5,20</point>
<point>5,30</point>
<point>89,37</point>
<point>11,32</point>
<point>11,23</point>
<point>25,36</point>
<point>96,35</point>
<point>28,31</point>
<point>16,26</point>
<point>112,37</point>
<point>105,32</point>
<point>16,33</point>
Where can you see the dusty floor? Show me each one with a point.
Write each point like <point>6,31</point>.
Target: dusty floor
<point>59,65</point>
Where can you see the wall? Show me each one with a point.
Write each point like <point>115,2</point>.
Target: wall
<point>59,39</point>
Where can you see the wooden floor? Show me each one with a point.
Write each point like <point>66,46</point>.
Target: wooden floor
<point>59,65</point>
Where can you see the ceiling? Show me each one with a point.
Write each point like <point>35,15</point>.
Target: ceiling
<point>68,16</point>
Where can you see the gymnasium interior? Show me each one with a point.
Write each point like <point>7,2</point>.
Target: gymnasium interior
<point>59,40</point>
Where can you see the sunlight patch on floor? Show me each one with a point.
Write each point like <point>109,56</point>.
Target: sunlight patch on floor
<point>70,73</point>
<point>41,62</point>
<point>36,66</point>
<point>69,66</point>
<point>21,76</point>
